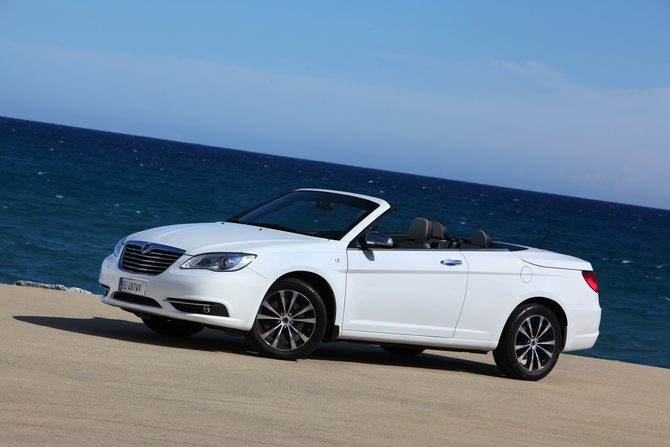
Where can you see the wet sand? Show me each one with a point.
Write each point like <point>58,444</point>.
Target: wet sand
<point>74,371</point>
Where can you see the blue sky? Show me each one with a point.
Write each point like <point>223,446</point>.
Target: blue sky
<point>565,97</point>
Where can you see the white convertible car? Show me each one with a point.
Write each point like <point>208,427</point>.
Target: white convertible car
<point>310,267</point>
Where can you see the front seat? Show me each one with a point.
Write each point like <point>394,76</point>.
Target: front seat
<point>440,237</point>
<point>420,232</point>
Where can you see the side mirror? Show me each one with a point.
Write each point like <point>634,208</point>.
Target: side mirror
<point>375,239</point>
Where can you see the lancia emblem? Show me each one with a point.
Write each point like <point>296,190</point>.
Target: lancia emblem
<point>147,247</point>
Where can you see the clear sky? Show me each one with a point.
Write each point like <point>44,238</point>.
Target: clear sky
<point>569,97</point>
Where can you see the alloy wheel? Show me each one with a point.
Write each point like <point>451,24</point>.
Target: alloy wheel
<point>286,320</point>
<point>535,343</point>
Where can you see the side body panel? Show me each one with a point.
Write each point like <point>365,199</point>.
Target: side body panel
<point>404,292</point>
<point>495,288</point>
<point>498,283</point>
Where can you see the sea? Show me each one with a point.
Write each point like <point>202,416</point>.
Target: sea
<point>68,195</point>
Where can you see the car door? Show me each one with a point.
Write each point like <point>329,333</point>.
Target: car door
<point>417,292</point>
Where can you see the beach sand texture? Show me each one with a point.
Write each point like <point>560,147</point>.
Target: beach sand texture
<point>76,372</point>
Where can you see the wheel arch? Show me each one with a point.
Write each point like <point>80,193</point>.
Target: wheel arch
<point>557,310</point>
<point>325,292</point>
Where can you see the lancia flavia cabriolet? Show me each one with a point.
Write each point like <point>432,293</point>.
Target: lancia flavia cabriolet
<point>311,267</point>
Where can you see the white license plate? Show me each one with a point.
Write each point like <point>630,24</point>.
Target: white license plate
<point>132,286</point>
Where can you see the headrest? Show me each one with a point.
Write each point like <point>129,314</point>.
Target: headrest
<point>421,229</point>
<point>481,238</point>
<point>440,231</point>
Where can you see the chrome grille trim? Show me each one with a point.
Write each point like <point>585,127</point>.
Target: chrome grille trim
<point>155,261</point>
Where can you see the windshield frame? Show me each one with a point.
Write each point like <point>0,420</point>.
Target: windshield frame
<point>253,215</point>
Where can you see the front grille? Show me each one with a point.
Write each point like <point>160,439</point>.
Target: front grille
<point>154,261</point>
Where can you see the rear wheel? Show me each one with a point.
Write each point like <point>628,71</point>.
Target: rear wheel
<point>173,328</point>
<point>530,343</point>
<point>290,322</point>
<point>406,351</point>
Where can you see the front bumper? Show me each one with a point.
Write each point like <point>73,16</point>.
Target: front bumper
<point>169,294</point>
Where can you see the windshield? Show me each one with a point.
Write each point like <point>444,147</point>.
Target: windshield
<point>313,213</point>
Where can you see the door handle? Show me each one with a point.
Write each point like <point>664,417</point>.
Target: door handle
<point>451,262</point>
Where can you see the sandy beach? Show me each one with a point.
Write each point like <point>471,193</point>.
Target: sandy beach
<point>76,372</point>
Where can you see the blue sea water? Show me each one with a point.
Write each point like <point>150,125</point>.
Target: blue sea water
<point>68,195</point>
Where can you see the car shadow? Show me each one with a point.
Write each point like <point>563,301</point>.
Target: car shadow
<point>137,332</point>
<point>210,340</point>
<point>372,354</point>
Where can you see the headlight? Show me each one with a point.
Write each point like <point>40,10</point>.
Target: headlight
<point>219,262</point>
<point>119,247</point>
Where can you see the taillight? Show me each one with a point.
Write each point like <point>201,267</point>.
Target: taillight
<point>591,280</point>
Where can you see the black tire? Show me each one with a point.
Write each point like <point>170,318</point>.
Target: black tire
<point>405,351</point>
<point>530,343</point>
<point>290,322</point>
<point>173,328</point>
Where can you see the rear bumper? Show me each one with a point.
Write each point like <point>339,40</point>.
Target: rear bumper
<point>583,326</point>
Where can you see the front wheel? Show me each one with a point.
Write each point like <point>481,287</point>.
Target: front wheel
<point>173,328</point>
<point>291,321</point>
<point>530,343</point>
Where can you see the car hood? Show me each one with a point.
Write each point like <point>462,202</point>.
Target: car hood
<point>221,236</point>
<point>544,258</point>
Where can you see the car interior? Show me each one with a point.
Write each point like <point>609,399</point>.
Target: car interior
<point>426,234</point>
